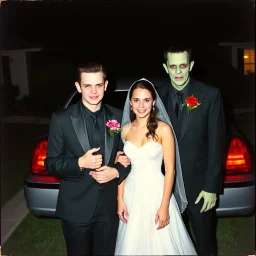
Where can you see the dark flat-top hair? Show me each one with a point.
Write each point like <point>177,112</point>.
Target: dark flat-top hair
<point>90,67</point>
<point>178,49</point>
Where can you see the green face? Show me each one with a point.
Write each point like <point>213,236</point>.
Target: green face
<point>178,68</point>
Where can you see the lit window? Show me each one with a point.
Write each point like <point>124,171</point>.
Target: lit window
<point>249,61</point>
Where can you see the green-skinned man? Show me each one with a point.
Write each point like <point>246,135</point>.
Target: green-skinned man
<point>196,111</point>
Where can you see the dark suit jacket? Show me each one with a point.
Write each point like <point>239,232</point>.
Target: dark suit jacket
<point>201,137</point>
<point>67,141</point>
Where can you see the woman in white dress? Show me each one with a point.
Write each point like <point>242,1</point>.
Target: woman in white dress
<point>148,205</point>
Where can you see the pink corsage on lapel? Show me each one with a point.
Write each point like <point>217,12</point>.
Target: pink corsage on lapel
<point>114,127</point>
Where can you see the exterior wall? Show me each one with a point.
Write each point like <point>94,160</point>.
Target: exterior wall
<point>18,69</point>
<point>1,73</point>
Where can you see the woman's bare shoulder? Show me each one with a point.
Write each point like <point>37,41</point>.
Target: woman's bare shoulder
<point>163,126</point>
<point>125,129</point>
<point>164,129</point>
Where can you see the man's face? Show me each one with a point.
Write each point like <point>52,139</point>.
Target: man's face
<point>178,68</point>
<point>92,88</point>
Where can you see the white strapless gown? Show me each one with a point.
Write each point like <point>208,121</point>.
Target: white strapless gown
<point>143,192</point>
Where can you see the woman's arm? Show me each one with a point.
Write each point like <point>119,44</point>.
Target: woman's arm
<point>122,209</point>
<point>169,163</point>
<point>120,191</point>
<point>167,140</point>
<point>122,162</point>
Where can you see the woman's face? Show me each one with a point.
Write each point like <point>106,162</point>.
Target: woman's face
<point>141,102</point>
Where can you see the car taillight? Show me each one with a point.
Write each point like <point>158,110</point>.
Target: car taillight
<point>238,160</point>
<point>39,154</point>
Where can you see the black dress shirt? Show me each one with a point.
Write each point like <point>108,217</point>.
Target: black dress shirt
<point>174,94</point>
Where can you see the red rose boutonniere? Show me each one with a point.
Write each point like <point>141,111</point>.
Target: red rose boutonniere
<point>114,127</point>
<point>192,103</point>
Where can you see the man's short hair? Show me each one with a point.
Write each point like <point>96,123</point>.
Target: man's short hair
<point>90,67</point>
<point>178,49</point>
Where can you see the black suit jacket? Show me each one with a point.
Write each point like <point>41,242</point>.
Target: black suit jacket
<point>67,141</point>
<point>201,137</point>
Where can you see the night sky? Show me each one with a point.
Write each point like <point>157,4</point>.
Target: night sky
<point>128,37</point>
<point>124,30</point>
<point>55,23</point>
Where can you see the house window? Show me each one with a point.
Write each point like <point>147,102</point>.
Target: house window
<point>249,61</point>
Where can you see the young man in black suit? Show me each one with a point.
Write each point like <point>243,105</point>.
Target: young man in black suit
<point>196,111</point>
<point>83,154</point>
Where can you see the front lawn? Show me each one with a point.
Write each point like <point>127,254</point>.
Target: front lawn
<point>40,236</point>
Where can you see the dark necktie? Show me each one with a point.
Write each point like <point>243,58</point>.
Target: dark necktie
<point>178,106</point>
<point>97,138</point>
<point>96,132</point>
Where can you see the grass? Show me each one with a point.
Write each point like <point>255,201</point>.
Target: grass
<point>36,236</point>
<point>236,236</point>
<point>41,236</point>
<point>17,144</point>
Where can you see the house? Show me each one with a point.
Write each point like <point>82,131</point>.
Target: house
<point>14,64</point>
<point>242,56</point>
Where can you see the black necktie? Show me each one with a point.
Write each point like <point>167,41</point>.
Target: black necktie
<point>178,106</point>
<point>96,132</point>
<point>97,139</point>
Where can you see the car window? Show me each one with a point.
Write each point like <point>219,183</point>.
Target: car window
<point>115,99</point>
<point>74,99</point>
